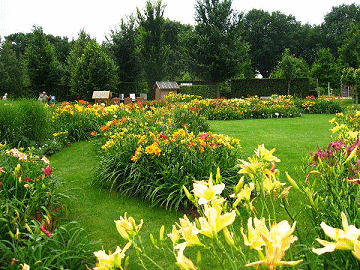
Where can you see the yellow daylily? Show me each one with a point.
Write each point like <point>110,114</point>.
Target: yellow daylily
<point>206,191</point>
<point>127,227</point>
<point>110,261</point>
<point>344,239</point>
<point>189,232</point>
<point>181,261</point>
<point>254,239</point>
<point>264,154</point>
<point>25,267</point>
<point>250,167</point>
<point>214,221</point>
<point>174,235</point>
<point>277,241</point>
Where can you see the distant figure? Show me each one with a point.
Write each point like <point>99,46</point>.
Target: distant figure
<point>4,96</point>
<point>43,97</point>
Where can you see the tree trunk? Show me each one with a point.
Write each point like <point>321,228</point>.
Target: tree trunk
<point>217,90</point>
<point>289,87</point>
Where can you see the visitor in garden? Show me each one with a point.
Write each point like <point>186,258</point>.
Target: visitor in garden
<point>4,96</point>
<point>43,97</point>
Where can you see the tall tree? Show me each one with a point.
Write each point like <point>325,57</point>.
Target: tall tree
<point>13,76</point>
<point>290,67</point>
<point>336,24</point>
<point>152,50</point>
<point>268,36</point>
<point>43,66</point>
<point>121,44</point>
<point>216,47</point>
<point>94,71</point>
<point>325,70</point>
<point>349,52</point>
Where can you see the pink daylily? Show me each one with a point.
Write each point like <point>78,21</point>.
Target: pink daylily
<point>47,171</point>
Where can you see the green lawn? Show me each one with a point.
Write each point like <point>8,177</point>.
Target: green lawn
<point>96,209</point>
<point>293,138</point>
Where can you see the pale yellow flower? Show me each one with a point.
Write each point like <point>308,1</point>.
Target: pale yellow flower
<point>277,241</point>
<point>25,266</point>
<point>344,239</point>
<point>214,221</point>
<point>264,154</point>
<point>111,261</point>
<point>189,232</point>
<point>181,261</point>
<point>206,191</point>
<point>254,239</point>
<point>250,167</point>
<point>127,227</point>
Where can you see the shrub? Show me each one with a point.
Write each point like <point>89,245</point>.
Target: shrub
<point>23,122</point>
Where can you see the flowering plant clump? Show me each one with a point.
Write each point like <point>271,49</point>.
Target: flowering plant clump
<point>140,162</point>
<point>176,98</point>
<point>323,104</point>
<point>213,231</point>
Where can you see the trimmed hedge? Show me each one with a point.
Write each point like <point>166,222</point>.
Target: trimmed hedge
<point>266,87</point>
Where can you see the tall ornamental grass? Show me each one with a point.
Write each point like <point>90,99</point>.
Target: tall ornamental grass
<point>24,122</point>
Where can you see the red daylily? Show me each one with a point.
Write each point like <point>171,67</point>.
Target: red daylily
<point>44,230</point>
<point>47,171</point>
<point>27,179</point>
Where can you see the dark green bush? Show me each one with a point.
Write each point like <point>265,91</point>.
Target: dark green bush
<point>23,122</point>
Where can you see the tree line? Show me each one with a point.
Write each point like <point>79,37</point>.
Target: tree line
<point>146,47</point>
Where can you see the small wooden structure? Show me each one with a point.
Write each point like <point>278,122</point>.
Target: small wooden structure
<point>102,97</point>
<point>164,88</point>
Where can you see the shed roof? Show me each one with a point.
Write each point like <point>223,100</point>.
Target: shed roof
<point>166,85</point>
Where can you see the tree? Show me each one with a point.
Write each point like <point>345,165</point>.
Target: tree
<point>94,71</point>
<point>13,76</point>
<point>216,48</point>
<point>151,48</point>
<point>43,66</point>
<point>290,67</point>
<point>121,45</point>
<point>349,52</point>
<point>268,36</point>
<point>325,69</point>
<point>336,24</point>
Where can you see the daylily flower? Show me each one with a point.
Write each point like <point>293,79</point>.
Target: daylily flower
<point>25,266</point>
<point>254,239</point>
<point>127,227</point>
<point>189,232</point>
<point>27,179</point>
<point>181,261</point>
<point>344,239</point>
<point>47,171</point>
<point>206,191</point>
<point>249,168</point>
<point>277,241</point>
<point>265,154</point>
<point>2,170</point>
<point>45,160</point>
<point>110,261</point>
<point>44,230</point>
<point>214,221</point>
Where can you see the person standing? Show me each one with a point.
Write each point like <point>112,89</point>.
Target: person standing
<point>43,97</point>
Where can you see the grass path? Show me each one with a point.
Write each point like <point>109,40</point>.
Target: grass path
<point>97,209</point>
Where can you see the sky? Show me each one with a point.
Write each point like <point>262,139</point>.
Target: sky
<point>68,17</point>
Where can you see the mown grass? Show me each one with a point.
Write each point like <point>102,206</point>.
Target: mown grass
<point>96,209</point>
<point>293,138</point>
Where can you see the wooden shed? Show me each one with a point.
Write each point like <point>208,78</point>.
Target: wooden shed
<point>102,97</point>
<point>164,88</point>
